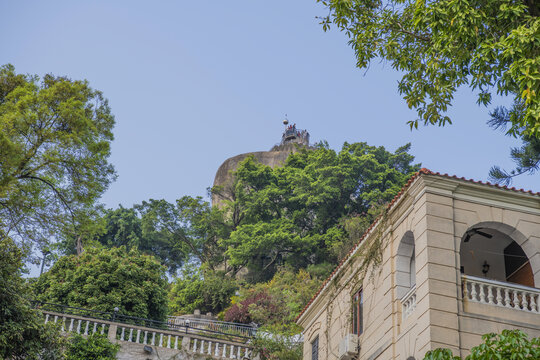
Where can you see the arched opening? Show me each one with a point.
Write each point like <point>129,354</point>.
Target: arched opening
<point>405,265</point>
<point>491,254</point>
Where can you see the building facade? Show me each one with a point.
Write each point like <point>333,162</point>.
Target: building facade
<point>450,260</point>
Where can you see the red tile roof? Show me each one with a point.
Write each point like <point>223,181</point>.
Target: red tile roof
<point>422,171</point>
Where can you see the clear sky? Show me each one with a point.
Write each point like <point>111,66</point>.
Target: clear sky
<point>192,83</point>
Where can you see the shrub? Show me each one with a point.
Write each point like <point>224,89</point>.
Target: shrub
<point>94,347</point>
<point>102,279</point>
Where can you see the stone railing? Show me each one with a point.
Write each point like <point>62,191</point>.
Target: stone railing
<point>163,338</point>
<point>223,327</point>
<point>502,294</point>
<point>408,303</point>
<point>69,323</point>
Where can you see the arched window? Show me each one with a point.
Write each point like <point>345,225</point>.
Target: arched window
<point>405,265</point>
<point>491,254</point>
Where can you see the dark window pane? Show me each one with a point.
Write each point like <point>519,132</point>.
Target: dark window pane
<point>315,349</point>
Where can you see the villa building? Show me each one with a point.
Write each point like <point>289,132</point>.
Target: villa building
<point>450,259</point>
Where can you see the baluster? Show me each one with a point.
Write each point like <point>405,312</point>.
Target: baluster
<point>465,289</point>
<point>239,348</point>
<point>176,343</point>
<point>202,347</point>
<point>160,340</point>
<point>473,292</point>
<point>86,327</point>
<point>55,318</point>
<point>231,353</point>
<point>153,338</point>
<point>524,302</point>
<point>123,333</point>
<point>216,353</point>
<point>130,335</point>
<point>71,325</point>
<point>169,342</point>
<point>507,299</point>
<point>63,323</point>
<point>46,318</point>
<point>209,348</point>
<point>482,294</point>
<point>224,350</point>
<point>102,328</point>
<point>533,303</point>
<point>138,333</point>
<point>490,295</point>
<point>145,336</point>
<point>95,327</point>
<point>194,346</point>
<point>499,296</point>
<point>79,327</point>
<point>516,300</point>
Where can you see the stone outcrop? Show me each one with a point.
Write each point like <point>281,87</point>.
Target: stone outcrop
<point>273,158</point>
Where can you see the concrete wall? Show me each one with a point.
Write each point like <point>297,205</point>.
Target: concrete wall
<point>437,211</point>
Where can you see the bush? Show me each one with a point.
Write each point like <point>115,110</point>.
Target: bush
<point>279,343</point>
<point>94,347</point>
<point>102,279</point>
<point>278,301</point>
<point>510,344</point>
<point>208,292</point>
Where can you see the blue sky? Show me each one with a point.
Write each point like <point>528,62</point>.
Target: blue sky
<point>192,83</point>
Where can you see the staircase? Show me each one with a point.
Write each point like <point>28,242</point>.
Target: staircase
<point>150,342</point>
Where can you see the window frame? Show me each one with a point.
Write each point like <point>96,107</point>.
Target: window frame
<point>315,348</point>
<point>357,312</point>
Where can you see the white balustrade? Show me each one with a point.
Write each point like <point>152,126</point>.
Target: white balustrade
<point>498,293</point>
<point>159,338</point>
<point>408,303</point>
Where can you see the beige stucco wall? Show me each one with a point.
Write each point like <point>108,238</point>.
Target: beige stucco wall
<point>438,211</point>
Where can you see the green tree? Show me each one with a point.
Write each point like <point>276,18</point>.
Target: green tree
<point>489,45</point>
<point>510,344</point>
<point>93,347</point>
<point>294,214</point>
<point>23,335</point>
<point>102,279</point>
<point>208,291</point>
<point>55,139</point>
<point>526,157</point>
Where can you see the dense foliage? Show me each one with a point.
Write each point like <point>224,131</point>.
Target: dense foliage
<point>439,45</point>
<point>92,347</point>
<point>510,344</point>
<point>206,291</point>
<point>55,139</point>
<point>22,332</point>
<point>276,302</point>
<point>490,46</point>
<point>293,215</point>
<point>102,279</point>
<point>278,343</point>
<point>154,227</point>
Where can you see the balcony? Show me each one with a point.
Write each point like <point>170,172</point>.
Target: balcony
<point>408,303</point>
<point>502,294</point>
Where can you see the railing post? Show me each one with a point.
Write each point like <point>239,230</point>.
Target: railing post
<point>186,340</point>
<point>111,335</point>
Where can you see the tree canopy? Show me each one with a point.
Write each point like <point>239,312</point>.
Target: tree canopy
<point>294,214</point>
<point>23,335</point>
<point>490,46</point>
<point>55,139</point>
<point>102,279</point>
<point>440,45</point>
